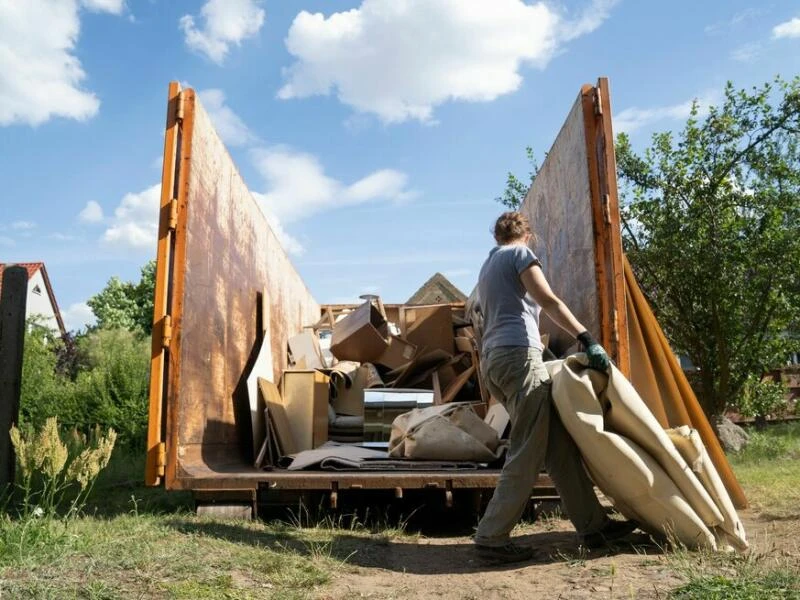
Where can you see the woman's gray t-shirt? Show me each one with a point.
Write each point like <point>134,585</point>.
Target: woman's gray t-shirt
<point>510,315</point>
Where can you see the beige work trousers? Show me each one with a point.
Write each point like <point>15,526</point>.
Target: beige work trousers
<point>518,379</point>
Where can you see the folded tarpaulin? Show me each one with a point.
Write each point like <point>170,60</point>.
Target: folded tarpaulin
<point>635,463</point>
<point>338,457</point>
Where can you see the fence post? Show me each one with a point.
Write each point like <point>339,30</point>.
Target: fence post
<point>12,340</point>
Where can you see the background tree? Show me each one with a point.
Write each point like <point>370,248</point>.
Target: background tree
<point>126,305</point>
<point>711,227</point>
<point>516,188</point>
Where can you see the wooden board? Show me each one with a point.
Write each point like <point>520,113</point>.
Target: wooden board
<point>278,419</point>
<point>573,209</point>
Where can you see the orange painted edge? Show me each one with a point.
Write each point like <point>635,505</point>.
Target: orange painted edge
<point>161,299</point>
<point>600,235</point>
<point>178,288</point>
<point>609,174</point>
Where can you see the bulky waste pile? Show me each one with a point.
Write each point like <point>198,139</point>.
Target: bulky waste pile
<point>379,387</point>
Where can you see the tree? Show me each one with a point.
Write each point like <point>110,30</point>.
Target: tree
<point>516,189</point>
<point>126,305</point>
<point>711,225</point>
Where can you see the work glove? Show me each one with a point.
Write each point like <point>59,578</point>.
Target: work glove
<point>598,359</point>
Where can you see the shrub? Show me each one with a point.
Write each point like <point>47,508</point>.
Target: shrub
<point>761,398</point>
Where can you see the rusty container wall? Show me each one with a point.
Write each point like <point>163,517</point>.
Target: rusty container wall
<point>225,256</point>
<point>572,207</point>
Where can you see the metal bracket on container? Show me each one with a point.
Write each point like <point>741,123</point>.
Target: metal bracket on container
<point>173,214</point>
<point>166,331</point>
<point>334,495</point>
<point>598,103</point>
<point>448,493</point>
<point>179,106</point>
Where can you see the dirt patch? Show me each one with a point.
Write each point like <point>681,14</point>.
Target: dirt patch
<point>445,567</point>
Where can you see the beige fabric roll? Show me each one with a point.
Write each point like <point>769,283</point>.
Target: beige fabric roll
<point>629,456</point>
<point>731,531</point>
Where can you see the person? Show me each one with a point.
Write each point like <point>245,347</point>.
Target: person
<point>512,290</point>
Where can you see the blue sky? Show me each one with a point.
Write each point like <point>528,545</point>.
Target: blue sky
<point>375,133</point>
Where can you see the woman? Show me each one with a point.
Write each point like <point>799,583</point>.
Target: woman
<point>512,291</point>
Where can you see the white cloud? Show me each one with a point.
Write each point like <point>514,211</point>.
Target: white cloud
<point>23,225</point>
<point>91,213</point>
<point>135,223</point>
<point>634,118</point>
<point>226,22</point>
<point>40,76</point>
<point>399,60</point>
<point>298,187</point>
<point>747,53</point>
<point>115,7</point>
<point>229,126</point>
<point>788,29</point>
<point>78,316</point>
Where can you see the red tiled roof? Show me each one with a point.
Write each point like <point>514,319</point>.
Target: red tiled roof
<point>32,268</point>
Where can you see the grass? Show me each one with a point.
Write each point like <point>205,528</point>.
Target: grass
<point>769,470</point>
<point>137,542</point>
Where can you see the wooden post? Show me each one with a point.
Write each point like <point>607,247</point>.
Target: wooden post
<point>12,341</point>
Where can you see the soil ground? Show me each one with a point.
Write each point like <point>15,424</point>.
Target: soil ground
<point>445,567</point>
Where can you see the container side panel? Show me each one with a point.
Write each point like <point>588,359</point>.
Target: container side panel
<point>231,257</point>
<point>559,207</point>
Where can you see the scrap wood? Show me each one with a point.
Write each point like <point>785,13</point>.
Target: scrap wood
<point>421,367</point>
<point>277,417</point>
<point>452,391</point>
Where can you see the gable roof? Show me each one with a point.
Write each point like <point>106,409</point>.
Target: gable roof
<point>437,290</point>
<point>32,268</point>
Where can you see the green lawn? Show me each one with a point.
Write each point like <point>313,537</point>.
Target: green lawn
<point>769,470</point>
<point>137,542</point>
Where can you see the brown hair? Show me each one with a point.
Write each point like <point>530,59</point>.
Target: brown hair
<point>511,226</point>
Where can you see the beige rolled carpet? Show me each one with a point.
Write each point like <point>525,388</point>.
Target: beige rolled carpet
<point>634,461</point>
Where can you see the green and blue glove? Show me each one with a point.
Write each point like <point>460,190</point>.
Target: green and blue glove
<point>598,359</point>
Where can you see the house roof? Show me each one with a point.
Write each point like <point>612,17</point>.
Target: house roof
<point>437,290</point>
<point>32,268</point>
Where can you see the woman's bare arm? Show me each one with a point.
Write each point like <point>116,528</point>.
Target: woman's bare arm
<point>536,285</point>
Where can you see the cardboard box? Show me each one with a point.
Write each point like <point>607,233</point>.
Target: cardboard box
<point>304,394</point>
<point>350,400</point>
<point>399,353</point>
<point>362,336</point>
<point>306,352</point>
<point>430,327</point>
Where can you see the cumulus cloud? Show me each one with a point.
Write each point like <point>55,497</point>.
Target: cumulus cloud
<point>135,222</point>
<point>229,126</point>
<point>634,118</point>
<point>788,29</point>
<point>115,7</point>
<point>40,76</point>
<point>225,22</point>
<point>298,187</point>
<point>91,213</point>
<point>399,60</point>
<point>78,316</point>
